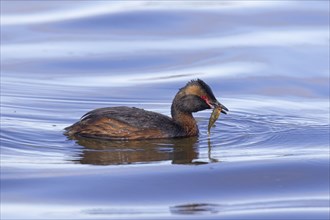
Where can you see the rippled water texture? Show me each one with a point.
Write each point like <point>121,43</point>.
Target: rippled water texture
<point>267,61</point>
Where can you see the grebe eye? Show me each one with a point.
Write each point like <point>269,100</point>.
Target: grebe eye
<point>204,97</point>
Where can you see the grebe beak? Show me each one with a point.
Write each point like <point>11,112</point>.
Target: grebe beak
<point>223,108</point>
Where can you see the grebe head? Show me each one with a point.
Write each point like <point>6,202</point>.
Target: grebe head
<point>196,96</point>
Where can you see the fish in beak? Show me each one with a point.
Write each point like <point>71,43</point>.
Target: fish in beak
<point>217,109</point>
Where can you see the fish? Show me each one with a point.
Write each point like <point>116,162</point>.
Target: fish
<point>214,116</point>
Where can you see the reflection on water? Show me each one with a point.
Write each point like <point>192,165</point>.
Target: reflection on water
<point>190,209</point>
<point>316,208</point>
<point>105,152</point>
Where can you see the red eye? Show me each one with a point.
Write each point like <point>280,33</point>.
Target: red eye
<point>204,97</point>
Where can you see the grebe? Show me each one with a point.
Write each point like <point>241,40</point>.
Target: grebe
<point>126,123</point>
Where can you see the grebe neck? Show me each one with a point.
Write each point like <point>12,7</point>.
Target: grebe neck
<point>185,120</point>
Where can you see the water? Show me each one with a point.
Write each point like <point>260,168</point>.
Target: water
<point>267,61</point>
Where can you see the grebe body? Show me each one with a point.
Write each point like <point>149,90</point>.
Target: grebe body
<point>130,123</point>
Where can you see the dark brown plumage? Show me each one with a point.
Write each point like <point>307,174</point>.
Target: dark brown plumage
<point>127,123</point>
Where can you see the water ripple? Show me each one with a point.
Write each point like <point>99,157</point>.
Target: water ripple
<point>240,135</point>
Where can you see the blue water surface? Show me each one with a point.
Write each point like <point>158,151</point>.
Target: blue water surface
<point>267,61</point>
